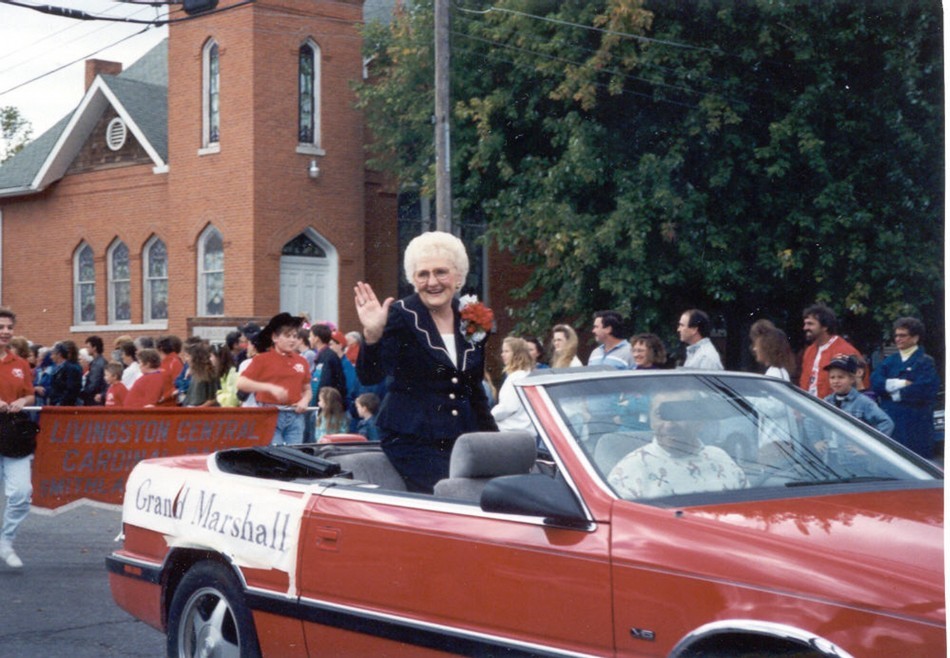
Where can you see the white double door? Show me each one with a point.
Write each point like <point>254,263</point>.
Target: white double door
<point>309,285</point>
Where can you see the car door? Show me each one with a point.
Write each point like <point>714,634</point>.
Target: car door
<point>402,573</point>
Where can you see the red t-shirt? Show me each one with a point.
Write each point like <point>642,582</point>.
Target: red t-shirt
<point>115,396</point>
<point>172,366</point>
<point>147,390</point>
<point>16,378</point>
<point>287,370</point>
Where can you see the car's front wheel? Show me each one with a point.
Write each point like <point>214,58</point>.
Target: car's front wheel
<point>208,616</point>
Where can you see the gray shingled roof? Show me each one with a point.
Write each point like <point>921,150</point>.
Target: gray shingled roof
<point>20,170</point>
<point>152,67</point>
<point>142,89</point>
<point>147,104</point>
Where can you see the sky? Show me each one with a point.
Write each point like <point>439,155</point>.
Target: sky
<point>32,43</point>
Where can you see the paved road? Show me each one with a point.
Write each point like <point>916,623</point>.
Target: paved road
<point>59,603</point>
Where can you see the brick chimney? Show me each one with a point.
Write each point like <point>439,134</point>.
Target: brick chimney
<point>96,66</point>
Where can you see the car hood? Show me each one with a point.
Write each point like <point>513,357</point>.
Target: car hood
<point>879,551</point>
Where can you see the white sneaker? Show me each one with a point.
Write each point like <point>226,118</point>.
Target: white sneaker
<point>9,556</point>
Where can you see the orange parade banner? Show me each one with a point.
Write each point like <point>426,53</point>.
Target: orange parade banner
<point>88,452</point>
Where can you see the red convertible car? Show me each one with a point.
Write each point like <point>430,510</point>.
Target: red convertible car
<point>626,527</point>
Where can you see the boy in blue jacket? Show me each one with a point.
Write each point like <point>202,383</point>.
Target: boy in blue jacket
<point>842,377</point>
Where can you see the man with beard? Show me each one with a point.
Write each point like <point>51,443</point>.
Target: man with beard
<point>820,325</point>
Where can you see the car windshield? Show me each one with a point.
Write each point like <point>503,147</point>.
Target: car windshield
<point>653,437</point>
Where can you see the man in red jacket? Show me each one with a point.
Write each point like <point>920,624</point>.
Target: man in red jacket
<point>820,325</point>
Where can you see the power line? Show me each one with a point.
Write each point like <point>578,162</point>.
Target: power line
<point>537,38</point>
<point>78,14</point>
<point>24,50</point>
<point>148,24</point>
<point>80,59</point>
<point>603,70</point>
<point>627,35</point>
<point>601,85</point>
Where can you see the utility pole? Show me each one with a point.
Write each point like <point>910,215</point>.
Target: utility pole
<point>443,170</point>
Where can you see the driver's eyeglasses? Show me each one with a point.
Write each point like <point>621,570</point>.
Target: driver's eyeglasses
<point>441,274</point>
<point>901,334</point>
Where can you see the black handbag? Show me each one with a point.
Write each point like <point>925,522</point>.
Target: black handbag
<point>17,435</point>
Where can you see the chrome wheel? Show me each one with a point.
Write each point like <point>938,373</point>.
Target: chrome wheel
<point>208,628</point>
<point>208,617</point>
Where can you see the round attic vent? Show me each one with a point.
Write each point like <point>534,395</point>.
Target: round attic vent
<point>116,133</point>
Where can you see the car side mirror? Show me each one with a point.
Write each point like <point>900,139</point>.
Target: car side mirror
<point>535,494</point>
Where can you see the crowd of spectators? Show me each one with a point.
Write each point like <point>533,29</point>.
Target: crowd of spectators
<point>166,371</point>
<point>897,398</point>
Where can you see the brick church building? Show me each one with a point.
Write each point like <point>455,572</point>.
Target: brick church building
<point>220,178</point>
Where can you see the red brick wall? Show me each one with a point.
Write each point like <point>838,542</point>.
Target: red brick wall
<point>215,188</point>
<point>286,199</point>
<point>255,190</point>
<point>266,196</point>
<point>382,245</point>
<point>42,232</point>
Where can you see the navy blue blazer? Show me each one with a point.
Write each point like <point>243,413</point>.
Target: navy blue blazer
<point>429,397</point>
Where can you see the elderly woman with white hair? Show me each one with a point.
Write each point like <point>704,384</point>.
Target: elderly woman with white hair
<point>436,365</point>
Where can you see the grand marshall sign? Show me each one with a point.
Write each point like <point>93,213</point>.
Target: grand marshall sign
<point>85,452</point>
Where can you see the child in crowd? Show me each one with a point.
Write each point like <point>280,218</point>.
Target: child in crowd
<point>148,389</point>
<point>842,377</point>
<point>367,405</point>
<point>117,392</point>
<point>247,355</point>
<point>862,378</point>
<point>202,384</point>
<point>331,419</point>
<point>226,374</point>
<point>278,377</point>
<point>169,348</point>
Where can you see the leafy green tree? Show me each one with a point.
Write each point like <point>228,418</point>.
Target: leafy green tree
<point>15,132</point>
<point>746,158</point>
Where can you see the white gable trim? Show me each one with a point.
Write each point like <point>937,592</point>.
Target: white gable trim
<point>77,131</point>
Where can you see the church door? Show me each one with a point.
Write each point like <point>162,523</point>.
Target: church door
<point>308,277</point>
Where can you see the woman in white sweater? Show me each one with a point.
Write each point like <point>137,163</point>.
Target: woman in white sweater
<point>509,413</point>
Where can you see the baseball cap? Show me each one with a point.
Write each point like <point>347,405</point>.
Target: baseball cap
<point>844,362</point>
<point>251,330</point>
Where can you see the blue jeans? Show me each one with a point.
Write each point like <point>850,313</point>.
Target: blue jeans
<point>290,426</point>
<point>18,488</point>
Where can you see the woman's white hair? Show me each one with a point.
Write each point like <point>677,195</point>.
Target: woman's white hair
<point>435,244</point>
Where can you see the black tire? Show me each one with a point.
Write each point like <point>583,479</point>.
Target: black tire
<point>208,616</point>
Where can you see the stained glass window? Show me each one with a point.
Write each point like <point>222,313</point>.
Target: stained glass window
<point>120,285</point>
<point>306,94</point>
<point>156,281</point>
<point>211,273</point>
<point>212,96</point>
<point>303,245</point>
<point>308,74</point>
<point>85,290</point>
